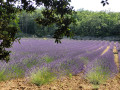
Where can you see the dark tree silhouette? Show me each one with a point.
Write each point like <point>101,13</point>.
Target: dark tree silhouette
<point>104,2</point>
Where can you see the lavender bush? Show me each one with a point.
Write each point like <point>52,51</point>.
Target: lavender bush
<point>67,58</point>
<point>101,69</point>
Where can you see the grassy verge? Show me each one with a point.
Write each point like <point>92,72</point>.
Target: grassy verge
<point>2,76</point>
<point>48,59</point>
<point>42,76</point>
<point>11,72</point>
<point>97,76</point>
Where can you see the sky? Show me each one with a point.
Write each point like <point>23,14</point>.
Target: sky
<point>95,5</point>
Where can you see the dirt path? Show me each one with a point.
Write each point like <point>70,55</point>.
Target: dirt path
<point>116,57</point>
<point>99,48</point>
<point>65,83</point>
<point>108,47</point>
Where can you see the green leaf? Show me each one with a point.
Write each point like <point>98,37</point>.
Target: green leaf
<point>68,29</point>
<point>5,32</point>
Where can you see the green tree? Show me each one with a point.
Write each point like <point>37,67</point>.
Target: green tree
<point>56,11</point>
<point>8,28</point>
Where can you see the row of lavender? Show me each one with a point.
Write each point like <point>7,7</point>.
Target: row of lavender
<point>103,67</point>
<point>71,55</point>
<point>118,48</point>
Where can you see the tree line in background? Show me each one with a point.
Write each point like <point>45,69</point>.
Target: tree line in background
<point>98,24</point>
<point>88,23</point>
<point>28,25</point>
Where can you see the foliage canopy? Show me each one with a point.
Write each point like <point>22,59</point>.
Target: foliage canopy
<point>56,11</point>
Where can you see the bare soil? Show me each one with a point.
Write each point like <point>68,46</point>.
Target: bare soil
<point>65,83</point>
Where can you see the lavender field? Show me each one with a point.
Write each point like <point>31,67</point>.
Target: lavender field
<point>44,60</point>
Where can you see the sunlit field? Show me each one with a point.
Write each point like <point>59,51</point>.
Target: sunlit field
<point>43,60</point>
